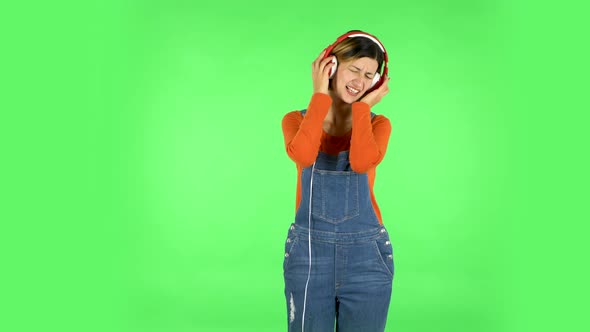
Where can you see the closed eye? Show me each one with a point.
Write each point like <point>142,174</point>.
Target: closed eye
<point>356,70</point>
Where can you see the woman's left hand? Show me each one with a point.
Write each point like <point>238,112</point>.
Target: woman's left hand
<point>375,96</point>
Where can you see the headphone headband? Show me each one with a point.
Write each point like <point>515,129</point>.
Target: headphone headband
<point>352,34</point>
<point>375,40</point>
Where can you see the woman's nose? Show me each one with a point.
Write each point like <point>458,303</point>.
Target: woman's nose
<point>359,80</point>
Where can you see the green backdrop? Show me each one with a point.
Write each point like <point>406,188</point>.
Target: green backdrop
<point>149,190</point>
<point>211,191</point>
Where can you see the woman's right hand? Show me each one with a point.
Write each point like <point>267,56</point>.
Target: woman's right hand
<point>320,73</point>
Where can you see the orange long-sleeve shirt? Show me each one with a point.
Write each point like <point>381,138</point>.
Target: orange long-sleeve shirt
<point>367,141</point>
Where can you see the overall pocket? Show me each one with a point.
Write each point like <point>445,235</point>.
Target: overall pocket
<point>335,195</point>
<point>384,250</point>
<point>290,244</point>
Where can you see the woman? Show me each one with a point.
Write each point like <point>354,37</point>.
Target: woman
<point>338,264</point>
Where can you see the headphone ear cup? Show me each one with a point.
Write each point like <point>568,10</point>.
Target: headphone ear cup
<point>376,79</point>
<point>333,69</point>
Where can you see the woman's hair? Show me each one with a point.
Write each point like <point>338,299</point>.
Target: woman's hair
<point>358,47</point>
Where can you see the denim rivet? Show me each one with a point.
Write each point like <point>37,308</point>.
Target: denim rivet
<point>382,230</point>
<point>390,256</point>
<point>292,227</point>
<point>387,243</point>
<point>286,254</point>
<point>288,240</point>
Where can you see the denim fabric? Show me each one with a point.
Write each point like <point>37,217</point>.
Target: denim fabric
<point>351,254</point>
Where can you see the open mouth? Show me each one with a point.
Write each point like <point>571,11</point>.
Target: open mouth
<point>352,91</point>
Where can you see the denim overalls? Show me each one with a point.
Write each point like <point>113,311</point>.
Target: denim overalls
<point>350,278</point>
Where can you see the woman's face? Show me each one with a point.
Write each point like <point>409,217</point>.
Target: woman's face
<point>353,78</point>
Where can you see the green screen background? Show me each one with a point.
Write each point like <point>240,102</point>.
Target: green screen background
<point>149,187</point>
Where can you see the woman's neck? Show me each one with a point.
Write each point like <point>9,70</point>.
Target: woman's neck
<point>340,112</point>
<point>338,121</point>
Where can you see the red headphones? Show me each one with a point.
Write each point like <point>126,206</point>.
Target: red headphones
<point>379,78</point>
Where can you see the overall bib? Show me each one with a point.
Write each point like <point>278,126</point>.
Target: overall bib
<point>348,285</point>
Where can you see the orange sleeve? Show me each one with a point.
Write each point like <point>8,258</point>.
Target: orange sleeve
<point>369,138</point>
<point>303,134</point>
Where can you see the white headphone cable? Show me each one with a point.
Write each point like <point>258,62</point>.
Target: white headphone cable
<point>309,246</point>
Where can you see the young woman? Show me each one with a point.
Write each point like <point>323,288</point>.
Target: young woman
<point>338,264</point>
